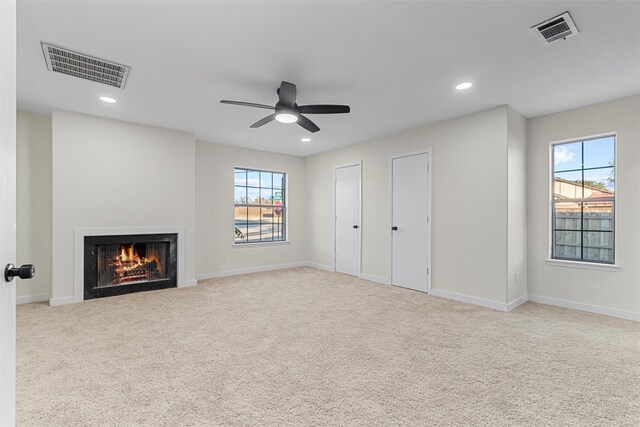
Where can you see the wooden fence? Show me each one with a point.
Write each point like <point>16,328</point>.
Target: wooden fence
<point>597,236</point>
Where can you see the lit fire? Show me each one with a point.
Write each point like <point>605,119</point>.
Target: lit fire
<point>130,266</point>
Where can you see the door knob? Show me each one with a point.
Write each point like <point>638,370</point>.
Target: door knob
<point>355,226</point>
<point>26,271</point>
<point>394,228</point>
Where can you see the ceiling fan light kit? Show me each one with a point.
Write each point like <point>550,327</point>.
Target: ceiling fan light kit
<point>286,118</point>
<point>287,111</point>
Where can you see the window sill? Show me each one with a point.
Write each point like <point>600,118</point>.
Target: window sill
<point>253,245</point>
<point>583,265</point>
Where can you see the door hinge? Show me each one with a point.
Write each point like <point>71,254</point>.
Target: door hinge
<point>427,270</point>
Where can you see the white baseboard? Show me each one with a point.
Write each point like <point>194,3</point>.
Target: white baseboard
<point>319,266</point>
<point>206,276</point>
<point>622,314</point>
<point>470,300</point>
<point>517,302</point>
<point>372,278</point>
<point>239,271</point>
<point>188,283</point>
<point>25,299</point>
<point>61,301</point>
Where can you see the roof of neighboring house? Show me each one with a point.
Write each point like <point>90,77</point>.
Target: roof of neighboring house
<point>577,184</point>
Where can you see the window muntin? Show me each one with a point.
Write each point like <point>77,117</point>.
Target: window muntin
<point>259,206</point>
<point>583,205</point>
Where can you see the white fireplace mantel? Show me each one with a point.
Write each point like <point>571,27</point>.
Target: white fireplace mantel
<point>78,250</point>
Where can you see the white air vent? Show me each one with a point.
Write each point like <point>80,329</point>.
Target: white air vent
<point>85,67</point>
<point>556,28</point>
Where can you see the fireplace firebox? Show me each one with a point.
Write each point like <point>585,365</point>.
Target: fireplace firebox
<point>115,265</point>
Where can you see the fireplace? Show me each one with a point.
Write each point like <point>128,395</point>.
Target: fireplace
<point>121,264</point>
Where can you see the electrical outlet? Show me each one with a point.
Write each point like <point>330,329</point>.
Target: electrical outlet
<point>207,259</point>
<point>223,256</point>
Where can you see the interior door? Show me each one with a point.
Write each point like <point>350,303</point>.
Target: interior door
<point>7,210</point>
<point>347,230</point>
<point>410,222</point>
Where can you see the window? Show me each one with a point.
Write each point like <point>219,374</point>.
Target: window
<point>260,212</point>
<point>584,199</point>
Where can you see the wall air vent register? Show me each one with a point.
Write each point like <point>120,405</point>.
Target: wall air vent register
<point>86,67</point>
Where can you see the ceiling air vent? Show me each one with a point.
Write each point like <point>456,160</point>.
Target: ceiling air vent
<point>85,67</point>
<point>556,28</point>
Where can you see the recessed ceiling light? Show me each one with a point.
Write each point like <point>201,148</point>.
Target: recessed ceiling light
<point>306,140</point>
<point>465,85</point>
<point>108,100</point>
<point>286,118</point>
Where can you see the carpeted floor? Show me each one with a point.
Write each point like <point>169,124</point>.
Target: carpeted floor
<point>308,347</point>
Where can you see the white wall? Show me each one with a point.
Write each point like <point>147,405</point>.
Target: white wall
<point>33,228</point>
<point>616,292</point>
<point>214,211</point>
<point>109,173</point>
<point>517,207</point>
<point>469,212</point>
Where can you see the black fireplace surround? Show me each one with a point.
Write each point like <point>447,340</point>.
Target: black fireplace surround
<point>116,265</point>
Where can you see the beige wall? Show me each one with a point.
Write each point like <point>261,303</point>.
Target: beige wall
<point>617,290</point>
<point>110,173</point>
<point>33,232</point>
<point>469,205</point>
<point>216,252</point>
<point>516,207</point>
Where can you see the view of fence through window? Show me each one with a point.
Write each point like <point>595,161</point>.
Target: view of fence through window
<point>583,220</point>
<point>259,206</point>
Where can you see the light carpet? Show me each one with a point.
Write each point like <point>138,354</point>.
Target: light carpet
<point>308,347</point>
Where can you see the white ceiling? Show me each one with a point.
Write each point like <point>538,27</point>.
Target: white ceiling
<point>395,63</point>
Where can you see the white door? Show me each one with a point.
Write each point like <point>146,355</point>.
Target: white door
<point>7,210</point>
<point>347,230</point>
<point>410,232</point>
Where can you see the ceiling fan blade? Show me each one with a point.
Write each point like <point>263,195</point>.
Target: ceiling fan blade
<point>248,104</point>
<point>264,121</point>
<point>287,94</point>
<point>324,109</point>
<point>307,124</point>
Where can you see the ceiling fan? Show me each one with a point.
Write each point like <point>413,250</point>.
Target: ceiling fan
<point>287,111</point>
